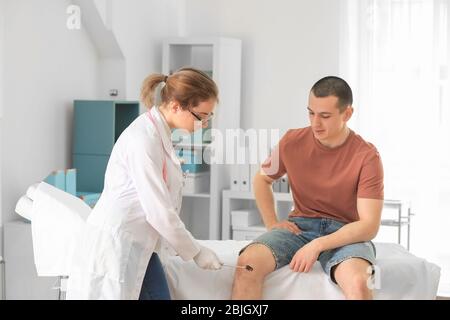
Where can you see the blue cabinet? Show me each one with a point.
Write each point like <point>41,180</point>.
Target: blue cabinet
<point>94,127</point>
<point>97,126</point>
<point>91,170</point>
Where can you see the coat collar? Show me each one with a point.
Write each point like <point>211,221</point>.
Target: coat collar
<point>164,132</point>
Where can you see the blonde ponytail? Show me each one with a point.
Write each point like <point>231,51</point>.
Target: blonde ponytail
<point>149,88</point>
<point>188,86</point>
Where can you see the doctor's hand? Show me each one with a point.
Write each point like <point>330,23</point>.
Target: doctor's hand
<point>207,259</point>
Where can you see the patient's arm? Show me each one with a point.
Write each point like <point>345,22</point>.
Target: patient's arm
<point>365,229</point>
<point>262,186</point>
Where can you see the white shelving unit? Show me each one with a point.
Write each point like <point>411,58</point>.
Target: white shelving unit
<point>221,59</point>
<point>233,200</point>
<point>401,219</point>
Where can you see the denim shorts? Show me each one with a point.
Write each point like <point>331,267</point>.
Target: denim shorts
<point>284,244</point>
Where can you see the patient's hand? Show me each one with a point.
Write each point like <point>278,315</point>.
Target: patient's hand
<point>305,257</point>
<point>285,224</point>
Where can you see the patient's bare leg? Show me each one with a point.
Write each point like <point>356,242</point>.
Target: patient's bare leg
<point>352,277</point>
<point>248,284</point>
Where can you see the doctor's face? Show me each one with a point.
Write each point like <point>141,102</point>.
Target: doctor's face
<point>197,117</point>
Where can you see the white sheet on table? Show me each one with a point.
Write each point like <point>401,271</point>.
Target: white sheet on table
<point>403,276</point>
<point>57,220</point>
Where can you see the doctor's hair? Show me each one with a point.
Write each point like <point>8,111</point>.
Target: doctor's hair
<point>188,86</point>
<point>334,86</point>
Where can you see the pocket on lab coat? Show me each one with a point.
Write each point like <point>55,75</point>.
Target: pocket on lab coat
<point>113,254</point>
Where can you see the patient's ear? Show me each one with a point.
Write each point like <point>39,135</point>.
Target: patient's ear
<point>348,113</point>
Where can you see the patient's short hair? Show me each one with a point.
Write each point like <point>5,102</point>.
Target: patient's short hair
<point>334,86</point>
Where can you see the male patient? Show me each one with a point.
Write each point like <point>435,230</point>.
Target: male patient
<point>336,178</point>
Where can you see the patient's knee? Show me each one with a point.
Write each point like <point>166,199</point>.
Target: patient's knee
<point>356,287</point>
<point>259,258</point>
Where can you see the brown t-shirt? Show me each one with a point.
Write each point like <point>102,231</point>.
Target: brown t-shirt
<point>326,182</point>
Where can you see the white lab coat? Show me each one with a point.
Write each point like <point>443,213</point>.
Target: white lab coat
<point>136,207</point>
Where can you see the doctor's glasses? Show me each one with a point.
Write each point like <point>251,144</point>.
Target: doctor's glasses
<point>202,118</point>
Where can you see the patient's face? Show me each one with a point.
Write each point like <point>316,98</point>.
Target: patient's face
<point>327,122</point>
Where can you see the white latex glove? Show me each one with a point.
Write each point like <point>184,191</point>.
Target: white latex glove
<point>207,259</point>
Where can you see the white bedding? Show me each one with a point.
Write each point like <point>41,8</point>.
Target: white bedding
<point>402,276</point>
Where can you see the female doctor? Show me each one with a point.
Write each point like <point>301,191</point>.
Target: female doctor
<point>141,199</point>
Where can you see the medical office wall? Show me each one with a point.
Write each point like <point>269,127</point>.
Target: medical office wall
<point>44,66</point>
<point>286,46</point>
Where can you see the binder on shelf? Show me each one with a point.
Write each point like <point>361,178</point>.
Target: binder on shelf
<point>71,181</point>
<point>284,184</point>
<point>276,185</point>
<point>244,177</point>
<point>66,181</point>
<point>57,179</point>
<point>235,177</point>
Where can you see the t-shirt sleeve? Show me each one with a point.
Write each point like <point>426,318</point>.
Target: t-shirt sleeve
<point>274,166</point>
<point>371,185</point>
